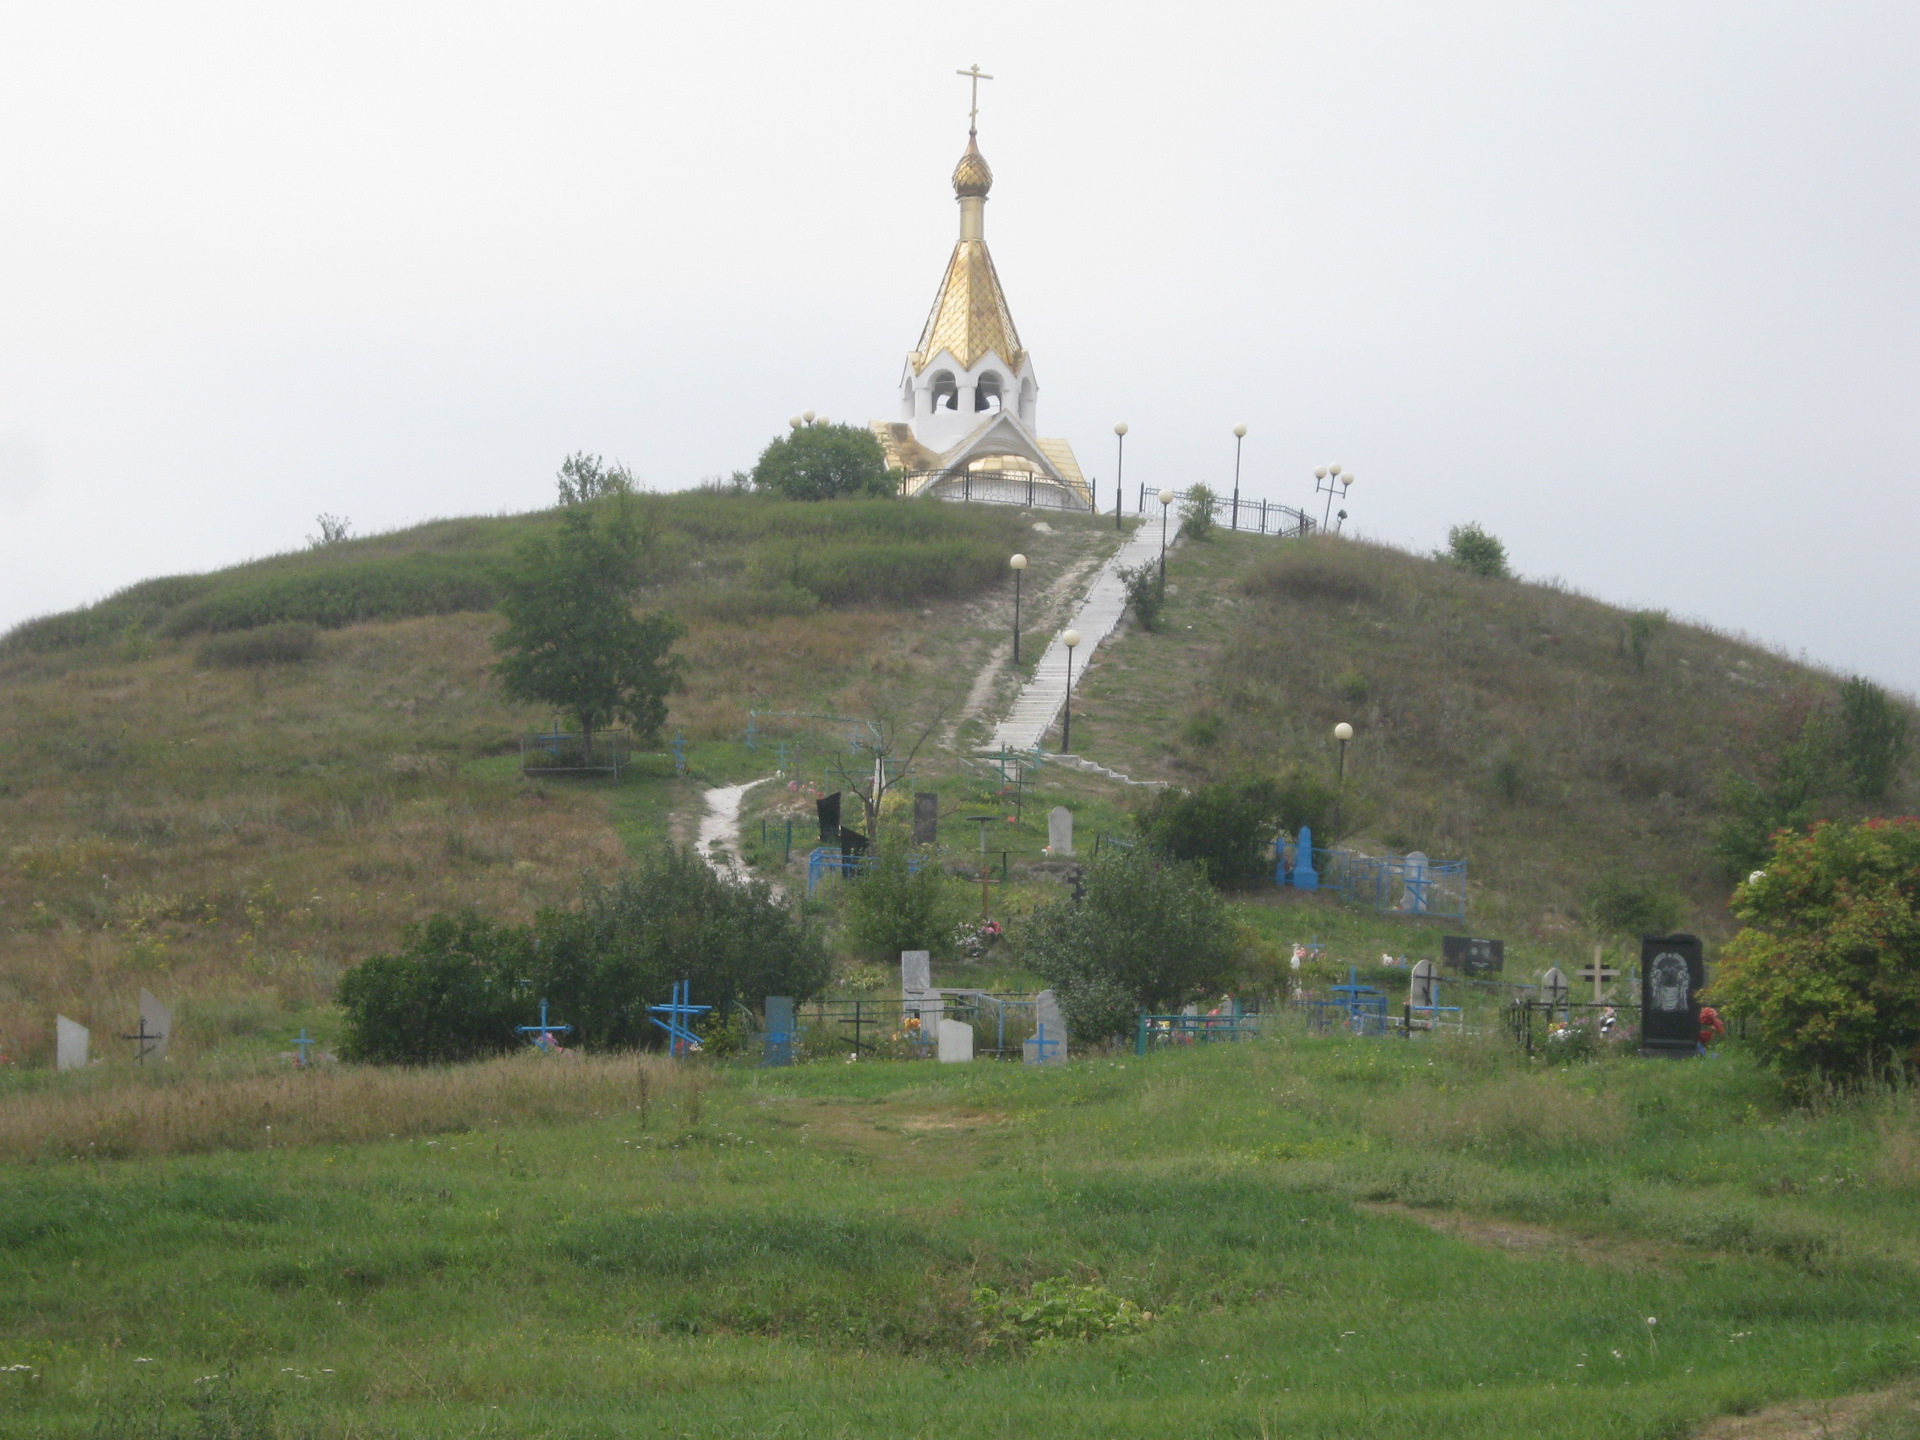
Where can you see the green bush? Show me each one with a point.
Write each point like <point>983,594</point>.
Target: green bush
<point>391,588</point>
<point>892,908</point>
<point>1145,598</point>
<point>1475,551</point>
<point>1148,933</point>
<point>1196,513</point>
<point>1642,629</point>
<point>451,993</point>
<point>824,462</point>
<point>1785,797</point>
<point>1058,1311</point>
<point>1828,969</point>
<point>1625,906</point>
<point>1875,732</point>
<point>287,643</point>
<point>1227,830</point>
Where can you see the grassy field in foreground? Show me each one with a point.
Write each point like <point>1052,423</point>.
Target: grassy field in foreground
<point>1333,1237</point>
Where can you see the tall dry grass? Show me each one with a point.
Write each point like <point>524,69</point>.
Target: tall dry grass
<point>330,1105</point>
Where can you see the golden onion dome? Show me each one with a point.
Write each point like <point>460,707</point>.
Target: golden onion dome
<point>971,176</point>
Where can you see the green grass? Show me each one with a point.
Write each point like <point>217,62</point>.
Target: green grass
<point>797,1253</point>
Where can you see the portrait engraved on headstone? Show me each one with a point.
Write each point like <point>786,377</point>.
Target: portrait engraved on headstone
<point>1672,974</point>
<point>1471,956</point>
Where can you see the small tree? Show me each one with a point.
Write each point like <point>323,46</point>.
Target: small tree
<point>1643,628</point>
<point>1874,738</point>
<point>334,530</point>
<point>1828,968</point>
<point>1148,933</point>
<point>1145,598</point>
<point>1786,797</point>
<point>1620,906</point>
<point>1475,551</point>
<point>585,477</point>
<point>824,462</point>
<point>450,993</point>
<point>1196,513</point>
<point>1224,829</point>
<point>893,907</point>
<point>572,640</point>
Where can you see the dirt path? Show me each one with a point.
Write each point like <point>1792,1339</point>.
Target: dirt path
<point>1842,1417</point>
<point>719,837</point>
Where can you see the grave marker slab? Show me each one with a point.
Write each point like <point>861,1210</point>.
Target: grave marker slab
<point>1305,877</point>
<point>157,1020</point>
<point>1420,992</point>
<point>1673,971</point>
<point>1414,902</point>
<point>777,1041</point>
<point>70,1044</point>
<point>956,1042</point>
<point>828,808</point>
<point>1480,958</point>
<point>1554,988</point>
<point>916,971</point>
<point>1049,1043</point>
<point>1060,830</point>
<point>926,818</point>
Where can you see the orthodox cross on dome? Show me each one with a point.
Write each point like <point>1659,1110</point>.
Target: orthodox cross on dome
<point>976,75</point>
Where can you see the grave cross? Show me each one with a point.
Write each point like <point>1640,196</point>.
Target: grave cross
<point>145,1042</point>
<point>679,1011</point>
<point>1041,1041</point>
<point>679,753</point>
<point>541,1035</point>
<point>1601,974</point>
<point>303,1042</point>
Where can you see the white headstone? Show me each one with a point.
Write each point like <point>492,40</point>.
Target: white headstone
<point>156,1020</point>
<point>1415,901</point>
<point>1060,830</point>
<point>70,1044</point>
<point>1420,993</point>
<point>1554,987</point>
<point>1049,1043</point>
<point>956,1042</point>
<point>916,971</point>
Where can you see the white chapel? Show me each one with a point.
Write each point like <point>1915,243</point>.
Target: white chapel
<point>969,398</point>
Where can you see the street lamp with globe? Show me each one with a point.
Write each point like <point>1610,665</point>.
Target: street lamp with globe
<point>1119,471</point>
<point>1166,499</point>
<point>1017,564</point>
<point>1239,434</point>
<point>1328,479</point>
<point>1070,640</point>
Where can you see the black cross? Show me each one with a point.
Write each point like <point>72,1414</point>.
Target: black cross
<point>142,1051</point>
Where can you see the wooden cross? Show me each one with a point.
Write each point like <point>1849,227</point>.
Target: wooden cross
<point>1601,974</point>
<point>974,74</point>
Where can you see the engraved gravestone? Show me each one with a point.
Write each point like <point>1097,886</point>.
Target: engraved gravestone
<point>1060,830</point>
<point>1478,958</point>
<point>1420,992</point>
<point>828,807</point>
<point>156,1028</point>
<point>70,1044</point>
<point>916,972</point>
<point>777,1042</point>
<point>926,818</point>
<point>956,1042</point>
<point>1673,971</point>
<point>1049,1043</point>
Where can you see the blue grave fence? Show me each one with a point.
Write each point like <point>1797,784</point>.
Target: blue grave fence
<point>828,864</point>
<point>1163,1030</point>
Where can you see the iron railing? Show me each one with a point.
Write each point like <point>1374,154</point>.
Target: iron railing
<point>1032,492</point>
<point>1255,517</point>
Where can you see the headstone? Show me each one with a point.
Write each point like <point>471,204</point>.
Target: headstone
<point>1554,988</point>
<point>1420,993</point>
<point>1049,1043</point>
<point>926,818</point>
<point>916,972</point>
<point>828,807</point>
<point>1305,877</point>
<point>1479,958</point>
<point>777,1042</point>
<point>1414,902</point>
<point>1673,971</point>
<point>70,1044</point>
<point>156,1020</point>
<point>1060,830</point>
<point>852,843</point>
<point>956,1042</point>
<point>918,999</point>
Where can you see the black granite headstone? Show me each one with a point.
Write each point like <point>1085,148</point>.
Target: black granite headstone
<point>829,808</point>
<point>926,818</point>
<point>1673,972</point>
<point>852,843</point>
<point>1473,957</point>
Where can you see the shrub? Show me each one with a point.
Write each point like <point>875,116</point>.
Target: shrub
<point>1145,598</point>
<point>824,462</point>
<point>671,917</point>
<point>1224,829</point>
<point>449,994</point>
<point>1475,551</point>
<point>585,477</point>
<point>1619,904</point>
<point>1785,799</point>
<point>1196,513</point>
<point>1873,740</point>
<point>1055,1312</point>
<point>892,908</point>
<point>287,643</point>
<point>385,589</point>
<point>1147,933</point>
<point>1642,629</point>
<point>1828,968</point>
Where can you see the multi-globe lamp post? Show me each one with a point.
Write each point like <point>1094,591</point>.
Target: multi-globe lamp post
<point>1328,478</point>
<point>1239,434</point>
<point>1071,639</point>
<point>1018,563</point>
<point>1119,470</point>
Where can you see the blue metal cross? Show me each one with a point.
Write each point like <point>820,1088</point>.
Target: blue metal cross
<point>1041,1044</point>
<point>678,1011</point>
<point>304,1042</point>
<point>541,1035</point>
<point>679,753</point>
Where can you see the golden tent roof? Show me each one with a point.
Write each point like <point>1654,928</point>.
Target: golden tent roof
<point>970,315</point>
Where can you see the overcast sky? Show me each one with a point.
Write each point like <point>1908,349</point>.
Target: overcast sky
<point>1635,285</point>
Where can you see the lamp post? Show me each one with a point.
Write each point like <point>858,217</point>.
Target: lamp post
<point>1328,479</point>
<point>1166,499</point>
<point>795,421</point>
<point>1018,564</point>
<point>1119,472</point>
<point>1070,639</point>
<point>1343,732</point>
<point>1239,434</point>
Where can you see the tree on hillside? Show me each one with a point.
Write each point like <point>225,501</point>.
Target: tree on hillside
<point>1828,968</point>
<point>1148,933</point>
<point>824,462</point>
<point>585,477</point>
<point>1475,551</point>
<point>1873,740</point>
<point>1785,796</point>
<point>572,640</point>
